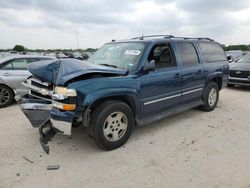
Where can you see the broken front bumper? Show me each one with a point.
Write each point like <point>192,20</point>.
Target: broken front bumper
<point>50,121</point>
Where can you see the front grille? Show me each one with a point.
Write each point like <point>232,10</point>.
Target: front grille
<point>39,95</point>
<point>43,85</point>
<point>40,89</point>
<point>239,74</point>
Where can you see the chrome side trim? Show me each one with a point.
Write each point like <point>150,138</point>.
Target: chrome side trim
<point>192,91</point>
<point>194,87</point>
<point>173,96</point>
<point>162,99</point>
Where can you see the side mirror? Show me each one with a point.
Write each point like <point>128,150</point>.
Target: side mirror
<point>230,59</point>
<point>150,66</point>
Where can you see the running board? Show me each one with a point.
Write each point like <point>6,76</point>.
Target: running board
<point>167,113</point>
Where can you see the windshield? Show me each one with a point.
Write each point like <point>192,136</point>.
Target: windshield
<point>119,55</point>
<point>245,59</point>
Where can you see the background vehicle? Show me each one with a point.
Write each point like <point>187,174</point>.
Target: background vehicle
<point>125,83</point>
<point>235,55</point>
<point>240,72</point>
<point>13,70</point>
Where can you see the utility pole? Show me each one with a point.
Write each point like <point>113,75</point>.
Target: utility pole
<point>77,40</point>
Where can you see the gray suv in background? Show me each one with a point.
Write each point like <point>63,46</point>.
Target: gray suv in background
<point>13,70</point>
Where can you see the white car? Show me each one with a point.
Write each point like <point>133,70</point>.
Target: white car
<point>13,70</point>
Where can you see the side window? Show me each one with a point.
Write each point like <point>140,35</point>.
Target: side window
<point>30,60</point>
<point>8,66</point>
<point>44,59</point>
<point>188,54</point>
<point>19,64</point>
<point>162,55</point>
<point>212,52</point>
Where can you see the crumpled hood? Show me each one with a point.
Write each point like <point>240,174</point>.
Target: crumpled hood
<point>58,72</point>
<point>239,66</point>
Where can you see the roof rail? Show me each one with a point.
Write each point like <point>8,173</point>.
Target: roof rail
<point>193,38</point>
<point>152,36</point>
<point>171,37</point>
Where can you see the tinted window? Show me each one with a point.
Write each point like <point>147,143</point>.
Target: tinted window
<point>212,52</point>
<point>19,64</point>
<point>188,53</point>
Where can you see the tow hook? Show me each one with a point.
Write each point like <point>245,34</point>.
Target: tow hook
<point>46,132</point>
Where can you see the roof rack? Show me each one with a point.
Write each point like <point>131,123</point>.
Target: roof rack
<point>193,38</point>
<point>171,37</point>
<point>152,36</point>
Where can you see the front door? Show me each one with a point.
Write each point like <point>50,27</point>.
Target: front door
<point>161,88</point>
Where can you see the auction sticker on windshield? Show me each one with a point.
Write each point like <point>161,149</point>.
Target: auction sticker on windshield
<point>132,52</point>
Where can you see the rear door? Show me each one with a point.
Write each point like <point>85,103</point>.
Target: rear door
<point>14,72</point>
<point>192,71</point>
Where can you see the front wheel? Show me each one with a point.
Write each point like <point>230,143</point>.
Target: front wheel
<point>210,97</point>
<point>111,123</point>
<point>6,96</point>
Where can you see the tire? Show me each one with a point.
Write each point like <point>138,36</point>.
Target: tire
<point>210,97</point>
<point>111,124</point>
<point>6,96</point>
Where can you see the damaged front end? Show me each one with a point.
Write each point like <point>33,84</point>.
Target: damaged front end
<point>52,103</point>
<point>38,108</point>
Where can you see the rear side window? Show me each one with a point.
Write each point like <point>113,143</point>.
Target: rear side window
<point>212,52</point>
<point>19,64</point>
<point>188,54</point>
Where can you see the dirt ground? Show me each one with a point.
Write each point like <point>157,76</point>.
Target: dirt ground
<point>190,149</point>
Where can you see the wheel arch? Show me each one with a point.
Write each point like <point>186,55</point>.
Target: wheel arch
<point>129,100</point>
<point>6,85</point>
<point>217,78</point>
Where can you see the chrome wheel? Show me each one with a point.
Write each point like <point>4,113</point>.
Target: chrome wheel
<point>4,96</point>
<point>212,97</point>
<point>115,126</point>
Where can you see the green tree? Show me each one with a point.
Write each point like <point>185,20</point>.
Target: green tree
<point>19,48</point>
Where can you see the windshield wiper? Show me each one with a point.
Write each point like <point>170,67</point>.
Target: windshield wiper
<point>108,65</point>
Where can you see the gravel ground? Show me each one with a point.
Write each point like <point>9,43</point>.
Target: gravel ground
<point>190,149</point>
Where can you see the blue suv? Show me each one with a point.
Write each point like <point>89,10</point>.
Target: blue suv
<point>124,84</point>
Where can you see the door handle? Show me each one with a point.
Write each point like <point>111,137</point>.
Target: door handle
<point>178,76</point>
<point>198,72</point>
<point>7,74</point>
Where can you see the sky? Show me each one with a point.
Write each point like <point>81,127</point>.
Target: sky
<point>43,24</point>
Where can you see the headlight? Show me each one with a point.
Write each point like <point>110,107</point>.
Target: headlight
<point>62,93</point>
<point>65,91</point>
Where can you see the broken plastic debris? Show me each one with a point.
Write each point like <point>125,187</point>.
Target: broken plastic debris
<point>53,167</point>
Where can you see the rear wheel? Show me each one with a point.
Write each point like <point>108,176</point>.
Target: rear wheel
<point>6,96</point>
<point>210,97</point>
<point>111,124</point>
